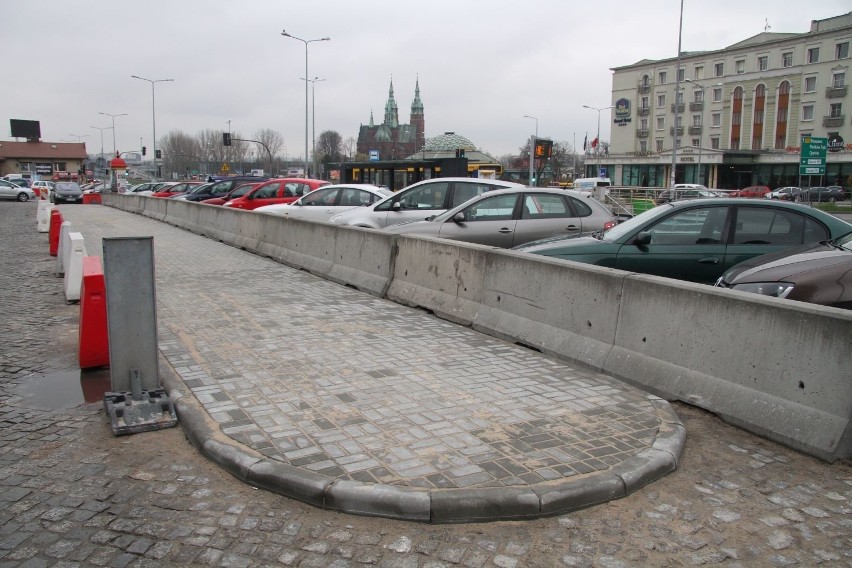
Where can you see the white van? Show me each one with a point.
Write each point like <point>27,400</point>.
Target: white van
<point>597,187</point>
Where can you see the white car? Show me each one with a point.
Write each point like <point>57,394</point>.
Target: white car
<point>418,201</point>
<point>43,187</point>
<point>322,203</point>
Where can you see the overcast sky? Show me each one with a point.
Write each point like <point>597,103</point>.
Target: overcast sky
<point>482,64</point>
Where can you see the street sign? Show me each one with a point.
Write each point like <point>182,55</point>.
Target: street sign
<point>812,157</point>
<point>225,167</point>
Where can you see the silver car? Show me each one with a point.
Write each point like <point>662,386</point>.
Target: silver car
<point>9,190</point>
<point>419,201</point>
<point>511,217</point>
<point>321,204</point>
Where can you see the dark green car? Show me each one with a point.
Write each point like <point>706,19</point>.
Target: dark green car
<point>697,240</point>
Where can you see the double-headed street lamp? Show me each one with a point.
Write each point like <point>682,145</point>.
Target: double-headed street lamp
<point>598,137</point>
<point>153,115</point>
<point>102,135</point>
<point>113,127</point>
<point>306,42</point>
<point>78,136</point>
<point>532,150</point>
<point>313,119</point>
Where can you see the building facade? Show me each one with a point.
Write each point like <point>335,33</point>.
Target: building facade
<point>735,116</point>
<point>43,160</point>
<point>391,140</point>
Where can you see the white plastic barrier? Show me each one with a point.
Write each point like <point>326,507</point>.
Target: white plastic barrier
<point>75,251</point>
<point>43,216</point>
<point>61,256</point>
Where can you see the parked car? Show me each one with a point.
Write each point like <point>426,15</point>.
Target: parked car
<point>200,186</point>
<point>831,194</point>
<point>282,190</point>
<point>174,188</point>
<point>789,193</point>
<point>22,182</point>
<point>510,217</point>
<point>684,191</point>
<point>238,191</point>
<point>697,240</point>
<point>751,191</point>
<point>9,190</point>
<point>321,204</point>
<point>418,201</point>
<point>222,187</point>
<point>818,273</point>
<point>146,188</point>
<point>67,192</point>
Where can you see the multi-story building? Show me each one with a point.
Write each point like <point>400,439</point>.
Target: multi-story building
<point>735,116</point>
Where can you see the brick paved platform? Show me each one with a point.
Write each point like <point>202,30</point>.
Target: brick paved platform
<point>354,403</point>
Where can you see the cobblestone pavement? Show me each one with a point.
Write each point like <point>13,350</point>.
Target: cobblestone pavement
<point>73,495</point>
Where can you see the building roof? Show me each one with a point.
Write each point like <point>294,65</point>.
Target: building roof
<point>42,150</point>
<point>448,142</point>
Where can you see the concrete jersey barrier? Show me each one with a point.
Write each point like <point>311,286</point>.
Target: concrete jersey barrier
<point>775,368</point>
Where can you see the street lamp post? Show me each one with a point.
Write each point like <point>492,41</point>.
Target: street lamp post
<point>598,137</point>
<point>306,42</point>
<point>532,150</point>
<point>313,120</point>
<point>113,127</point>
<point>153,116</point>
<point>78,136</point>
<point>102,136</point>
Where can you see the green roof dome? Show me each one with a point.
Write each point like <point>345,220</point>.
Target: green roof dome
<point>448,142</point>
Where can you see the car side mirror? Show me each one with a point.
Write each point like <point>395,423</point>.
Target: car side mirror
<point>642,239</point>
<point>459,217</point>
<point>396,206</point>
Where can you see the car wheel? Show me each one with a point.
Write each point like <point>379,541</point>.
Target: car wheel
<point>23,197</point>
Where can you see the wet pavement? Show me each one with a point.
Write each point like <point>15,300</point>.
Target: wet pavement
<point>71,494</point>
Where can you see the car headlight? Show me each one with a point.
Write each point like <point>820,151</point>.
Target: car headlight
<point>774,289</point>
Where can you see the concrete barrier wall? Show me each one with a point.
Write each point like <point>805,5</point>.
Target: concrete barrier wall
<point>775,368</point>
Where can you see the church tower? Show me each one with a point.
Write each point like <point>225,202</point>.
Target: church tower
<point>418,118</point>
<point>391,110</point>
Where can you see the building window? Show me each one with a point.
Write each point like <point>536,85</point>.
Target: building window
<point>787,59</point>
<point>646,81</point>
<point>643,124</point>
<point>813,55</point>
<point>696,142</point>
<point>644,103</point>
<point>841,50</point>
<point>718,69</point>
<point>836,110</point>
<point>661,100</point>
<point>717,94</point>
<point>661,123</point>
<point>680,74</point>
<point>810,84</point>
<point>643,146</point>
<point>696,120</point>
<point>698,96</point>
<point>762,63</point>
<point>807,112</point>
<point>661,78</point>
<point>698,74</point>
<point>678,143</point>
<point>740,66</point>
<point>714,142</point>
<point>782,105</point>
<point>679,97</point>
<point>679,121</point>
<point>736,117</point>
<point>838,80</point>
<point>757,120</point>
<point>716,119</point>
<point>659,144</point>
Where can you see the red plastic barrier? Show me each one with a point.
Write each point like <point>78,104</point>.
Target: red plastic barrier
<point>94,337</point>
<point>53,233</point>
<point>89,198</point>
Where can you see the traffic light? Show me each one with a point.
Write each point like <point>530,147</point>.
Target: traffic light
<point>158,154</point>
<point>144,150</point>
<point>226,139</point>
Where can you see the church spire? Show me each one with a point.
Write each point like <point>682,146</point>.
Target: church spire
<point>417,104</point>
<point>391,110</point>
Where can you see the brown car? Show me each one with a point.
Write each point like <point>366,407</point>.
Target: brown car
<point>819,273</point>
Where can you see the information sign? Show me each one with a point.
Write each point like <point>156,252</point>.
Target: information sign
<point>812,157</point>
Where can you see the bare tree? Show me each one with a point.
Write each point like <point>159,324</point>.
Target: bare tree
<point>272,139</point>
<point>329,146</point>
<point>180,153</point>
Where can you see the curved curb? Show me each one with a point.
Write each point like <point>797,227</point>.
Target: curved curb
<point>485,504</point>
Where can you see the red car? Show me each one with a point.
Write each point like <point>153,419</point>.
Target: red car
<point>238,191</point>
<point>171,189</point>
<point>281,190</point>
<point>751,191</point>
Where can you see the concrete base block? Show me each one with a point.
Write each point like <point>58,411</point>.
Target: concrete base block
<point>290,481</point>
<point>379,500</point>
<point>484,505</point>
<point>231,458</point>
<point>575,494</point>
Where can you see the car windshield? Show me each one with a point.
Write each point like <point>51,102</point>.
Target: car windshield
<point>67,186</point>
<point>633,223</point>
<point>844,242</point>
